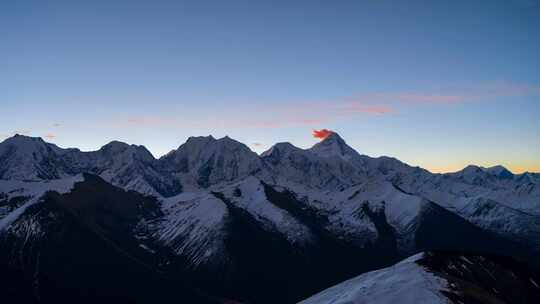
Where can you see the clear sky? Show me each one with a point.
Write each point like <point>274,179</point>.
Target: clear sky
<point>439,84</point>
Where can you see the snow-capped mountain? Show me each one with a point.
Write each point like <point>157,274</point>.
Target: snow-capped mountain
<point>334,146</point>
<point>128,166</point>
<point>492,176</point>
<point>438,278</point>
<point>242,225</point>
<point>206,161</point>
<point>28,158</point>
<point>291,164</point>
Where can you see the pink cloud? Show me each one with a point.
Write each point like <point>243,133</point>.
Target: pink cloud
<point>302,114</point>
<point>322,133</point>
<point>316,113</point>
<point>429,98</point>
<point>148,120</point>
<point>408,97</point>
<point>449,96</point>
<point>308,121</point>
<point>50,136</point>
<point>368,109</point>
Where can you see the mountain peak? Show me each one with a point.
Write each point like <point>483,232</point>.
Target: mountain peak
<point>22,138</point>
<point>333,145</point>
<point>227,140</point>
<point>208,160</point>
<point>494,170</point>
<point>478,174</point>
<point>28,158</point>
<point>117,147</point>
<point>499,171</point>
<point>333,136</point>
<point>472,169</point>
<point>201,138</point>
<point>28,144</point>
<point>115,144</point>
<point>280,148</point>
<point>205,142</point>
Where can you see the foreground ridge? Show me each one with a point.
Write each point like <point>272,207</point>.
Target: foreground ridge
<point>439,277</point>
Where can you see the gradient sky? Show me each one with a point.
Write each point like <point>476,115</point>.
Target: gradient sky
<point>439,84</point>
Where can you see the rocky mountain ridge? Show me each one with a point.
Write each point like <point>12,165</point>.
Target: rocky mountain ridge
<point>235,222</point>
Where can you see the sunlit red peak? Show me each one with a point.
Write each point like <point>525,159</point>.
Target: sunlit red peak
<point>322,133</point>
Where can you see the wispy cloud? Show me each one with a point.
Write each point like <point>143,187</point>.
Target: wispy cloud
<point>304,114</point>
<point>149,120</point>
<point>49,136</point>
<point>449,96</point>
<point>56,125</point>
<point>317,113</point>
<point>428,98</point>
<point>355,108</point>
<point>21,132</point>
<point>407,97</point>
<point>321,112</point>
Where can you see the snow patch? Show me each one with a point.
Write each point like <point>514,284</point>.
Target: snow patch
<point>192,226</point>
<point>405,283</point>
<point>34,190</point>
<point>250,195</point>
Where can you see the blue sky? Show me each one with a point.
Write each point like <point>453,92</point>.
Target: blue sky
<point>439,84</point>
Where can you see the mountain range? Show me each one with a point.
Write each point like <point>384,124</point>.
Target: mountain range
<point>214,222</point>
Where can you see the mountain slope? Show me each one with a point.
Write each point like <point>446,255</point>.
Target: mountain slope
<point>91,231</point>
<point>128,166</point>
<point>439,277</point>
<point>273,228</point>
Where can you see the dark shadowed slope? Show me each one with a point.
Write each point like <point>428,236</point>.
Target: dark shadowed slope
<point>76,248</point>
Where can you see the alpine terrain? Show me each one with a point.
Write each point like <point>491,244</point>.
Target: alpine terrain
<point>214,222</point>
